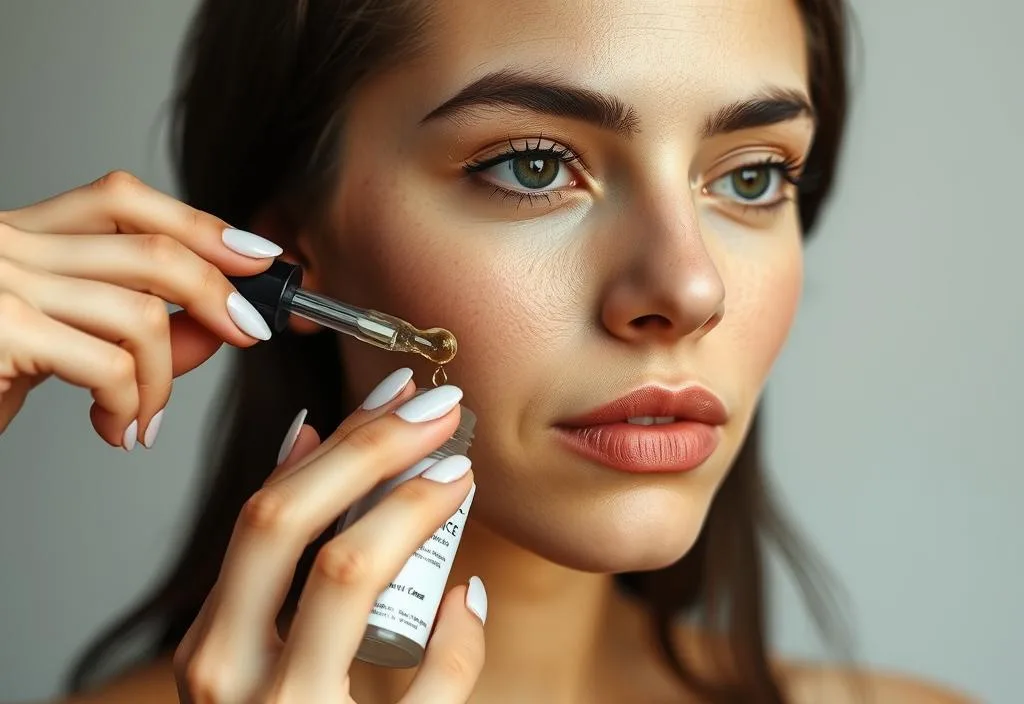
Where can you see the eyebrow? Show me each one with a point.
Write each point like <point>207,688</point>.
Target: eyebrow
<point>512,89</point>
<point>770,107</point>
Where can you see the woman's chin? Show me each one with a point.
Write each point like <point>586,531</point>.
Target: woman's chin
<point>637,552</point>
<point>608,541</point>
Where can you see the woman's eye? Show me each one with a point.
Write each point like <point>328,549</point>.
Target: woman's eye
<point>530,173</point>
<point>752,185</point>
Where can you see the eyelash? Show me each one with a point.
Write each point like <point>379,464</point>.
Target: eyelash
<point>563,155</point>
<point>789,169</point>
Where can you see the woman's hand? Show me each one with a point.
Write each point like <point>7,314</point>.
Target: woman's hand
<point>233,652</point>
<point>84,277</point>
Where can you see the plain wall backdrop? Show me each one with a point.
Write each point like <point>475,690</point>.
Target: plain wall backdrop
<point>894,413</point>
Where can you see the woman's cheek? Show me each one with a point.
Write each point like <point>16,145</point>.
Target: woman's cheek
<point>495,285</point>
<point>761,309</point>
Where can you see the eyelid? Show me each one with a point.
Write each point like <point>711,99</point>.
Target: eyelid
<point>524,144</point>
<point>740,209</point>
<point>512,146</point>
<point>571,159</point>
<point>748,158</point>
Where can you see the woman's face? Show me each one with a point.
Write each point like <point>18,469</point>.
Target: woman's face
<point>594,198</point>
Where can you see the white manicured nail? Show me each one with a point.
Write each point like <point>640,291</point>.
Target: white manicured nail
<point>431,405</point>
<point>386,390</point>
<point>291,436</point>
<point>153,429</point>
<point>247,318</point>
<point>131,434</point>
<point>249,245</point>
<point>476,598</point>
<point>447,470</point>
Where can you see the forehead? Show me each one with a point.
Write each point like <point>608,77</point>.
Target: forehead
<point>661,55</point>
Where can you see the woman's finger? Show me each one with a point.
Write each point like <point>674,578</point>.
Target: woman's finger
<point>353,568</point>
<point>281,519</point>
<point>455,653</point>
<point>12,398</point>
<point>121,203</point>
<point>388,394</point>
<point>201,654</point>
<point>299,440</point>
<point>33,344</point>
<point>189,643</point>
<point>136,322</point>
<point>158,264</point>
<point>192,343</point>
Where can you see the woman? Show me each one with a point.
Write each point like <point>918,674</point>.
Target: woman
<point>604,202</point>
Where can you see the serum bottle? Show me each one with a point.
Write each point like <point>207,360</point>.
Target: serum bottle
<point>403,615</point>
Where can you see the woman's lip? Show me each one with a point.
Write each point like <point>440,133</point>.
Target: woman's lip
<point>692,403</point>
<point>674,447</point>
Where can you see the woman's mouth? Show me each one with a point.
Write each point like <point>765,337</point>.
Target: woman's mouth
<point>649,430</point>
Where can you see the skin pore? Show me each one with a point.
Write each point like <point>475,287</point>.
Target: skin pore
<point>666,250</point>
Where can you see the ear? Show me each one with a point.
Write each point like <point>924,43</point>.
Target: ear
<point>297,250</point>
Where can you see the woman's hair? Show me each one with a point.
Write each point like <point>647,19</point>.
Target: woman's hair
<point>259,107</point>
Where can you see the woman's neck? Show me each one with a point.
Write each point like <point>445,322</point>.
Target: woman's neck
<point>543,619</point>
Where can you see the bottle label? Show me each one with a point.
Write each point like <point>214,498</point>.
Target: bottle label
<point>409,604</point>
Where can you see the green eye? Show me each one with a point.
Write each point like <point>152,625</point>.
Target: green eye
<point>536,171</point>
<point>751,184</point>
<point>759,185</point>
<point>533,172</point>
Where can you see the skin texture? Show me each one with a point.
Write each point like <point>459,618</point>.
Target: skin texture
<point>548,301</point>
<point>639,271</point>
<point>633,276</point>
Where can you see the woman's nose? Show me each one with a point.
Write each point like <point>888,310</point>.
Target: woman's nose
<point>668,288</point>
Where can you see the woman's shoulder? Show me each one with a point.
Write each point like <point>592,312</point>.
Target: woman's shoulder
<point>152,683</point>
<point>807,682</point>
<point>803,682</point>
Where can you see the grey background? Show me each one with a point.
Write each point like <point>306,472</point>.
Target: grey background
<point>894,411</point>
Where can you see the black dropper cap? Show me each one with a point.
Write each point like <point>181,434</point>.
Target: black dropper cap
<point>271,292</point>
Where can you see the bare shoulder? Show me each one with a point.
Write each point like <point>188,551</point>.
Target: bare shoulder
<point>808,682</point>
<point>152,683</point>
<point>813,683</point>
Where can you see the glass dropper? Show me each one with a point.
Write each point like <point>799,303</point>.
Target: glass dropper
<point>277,293</point>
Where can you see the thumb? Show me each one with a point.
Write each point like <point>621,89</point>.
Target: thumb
<point>455,653</point>
<point>13,393</point>
<point>191,343</point>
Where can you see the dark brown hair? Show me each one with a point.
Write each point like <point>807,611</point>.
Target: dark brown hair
<point>260,103</point>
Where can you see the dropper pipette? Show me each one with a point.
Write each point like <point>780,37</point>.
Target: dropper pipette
<point>277,293</point>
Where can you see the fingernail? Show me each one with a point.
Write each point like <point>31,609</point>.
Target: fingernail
<point>153,429</point>
<point>131,434</point>
<point>291,436</point>
<point>386,390</point>
<point>249,245</point>
<point>476,598</point>
<point>247,318</point>
<point>447,470</point>
<point>431,405</point>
